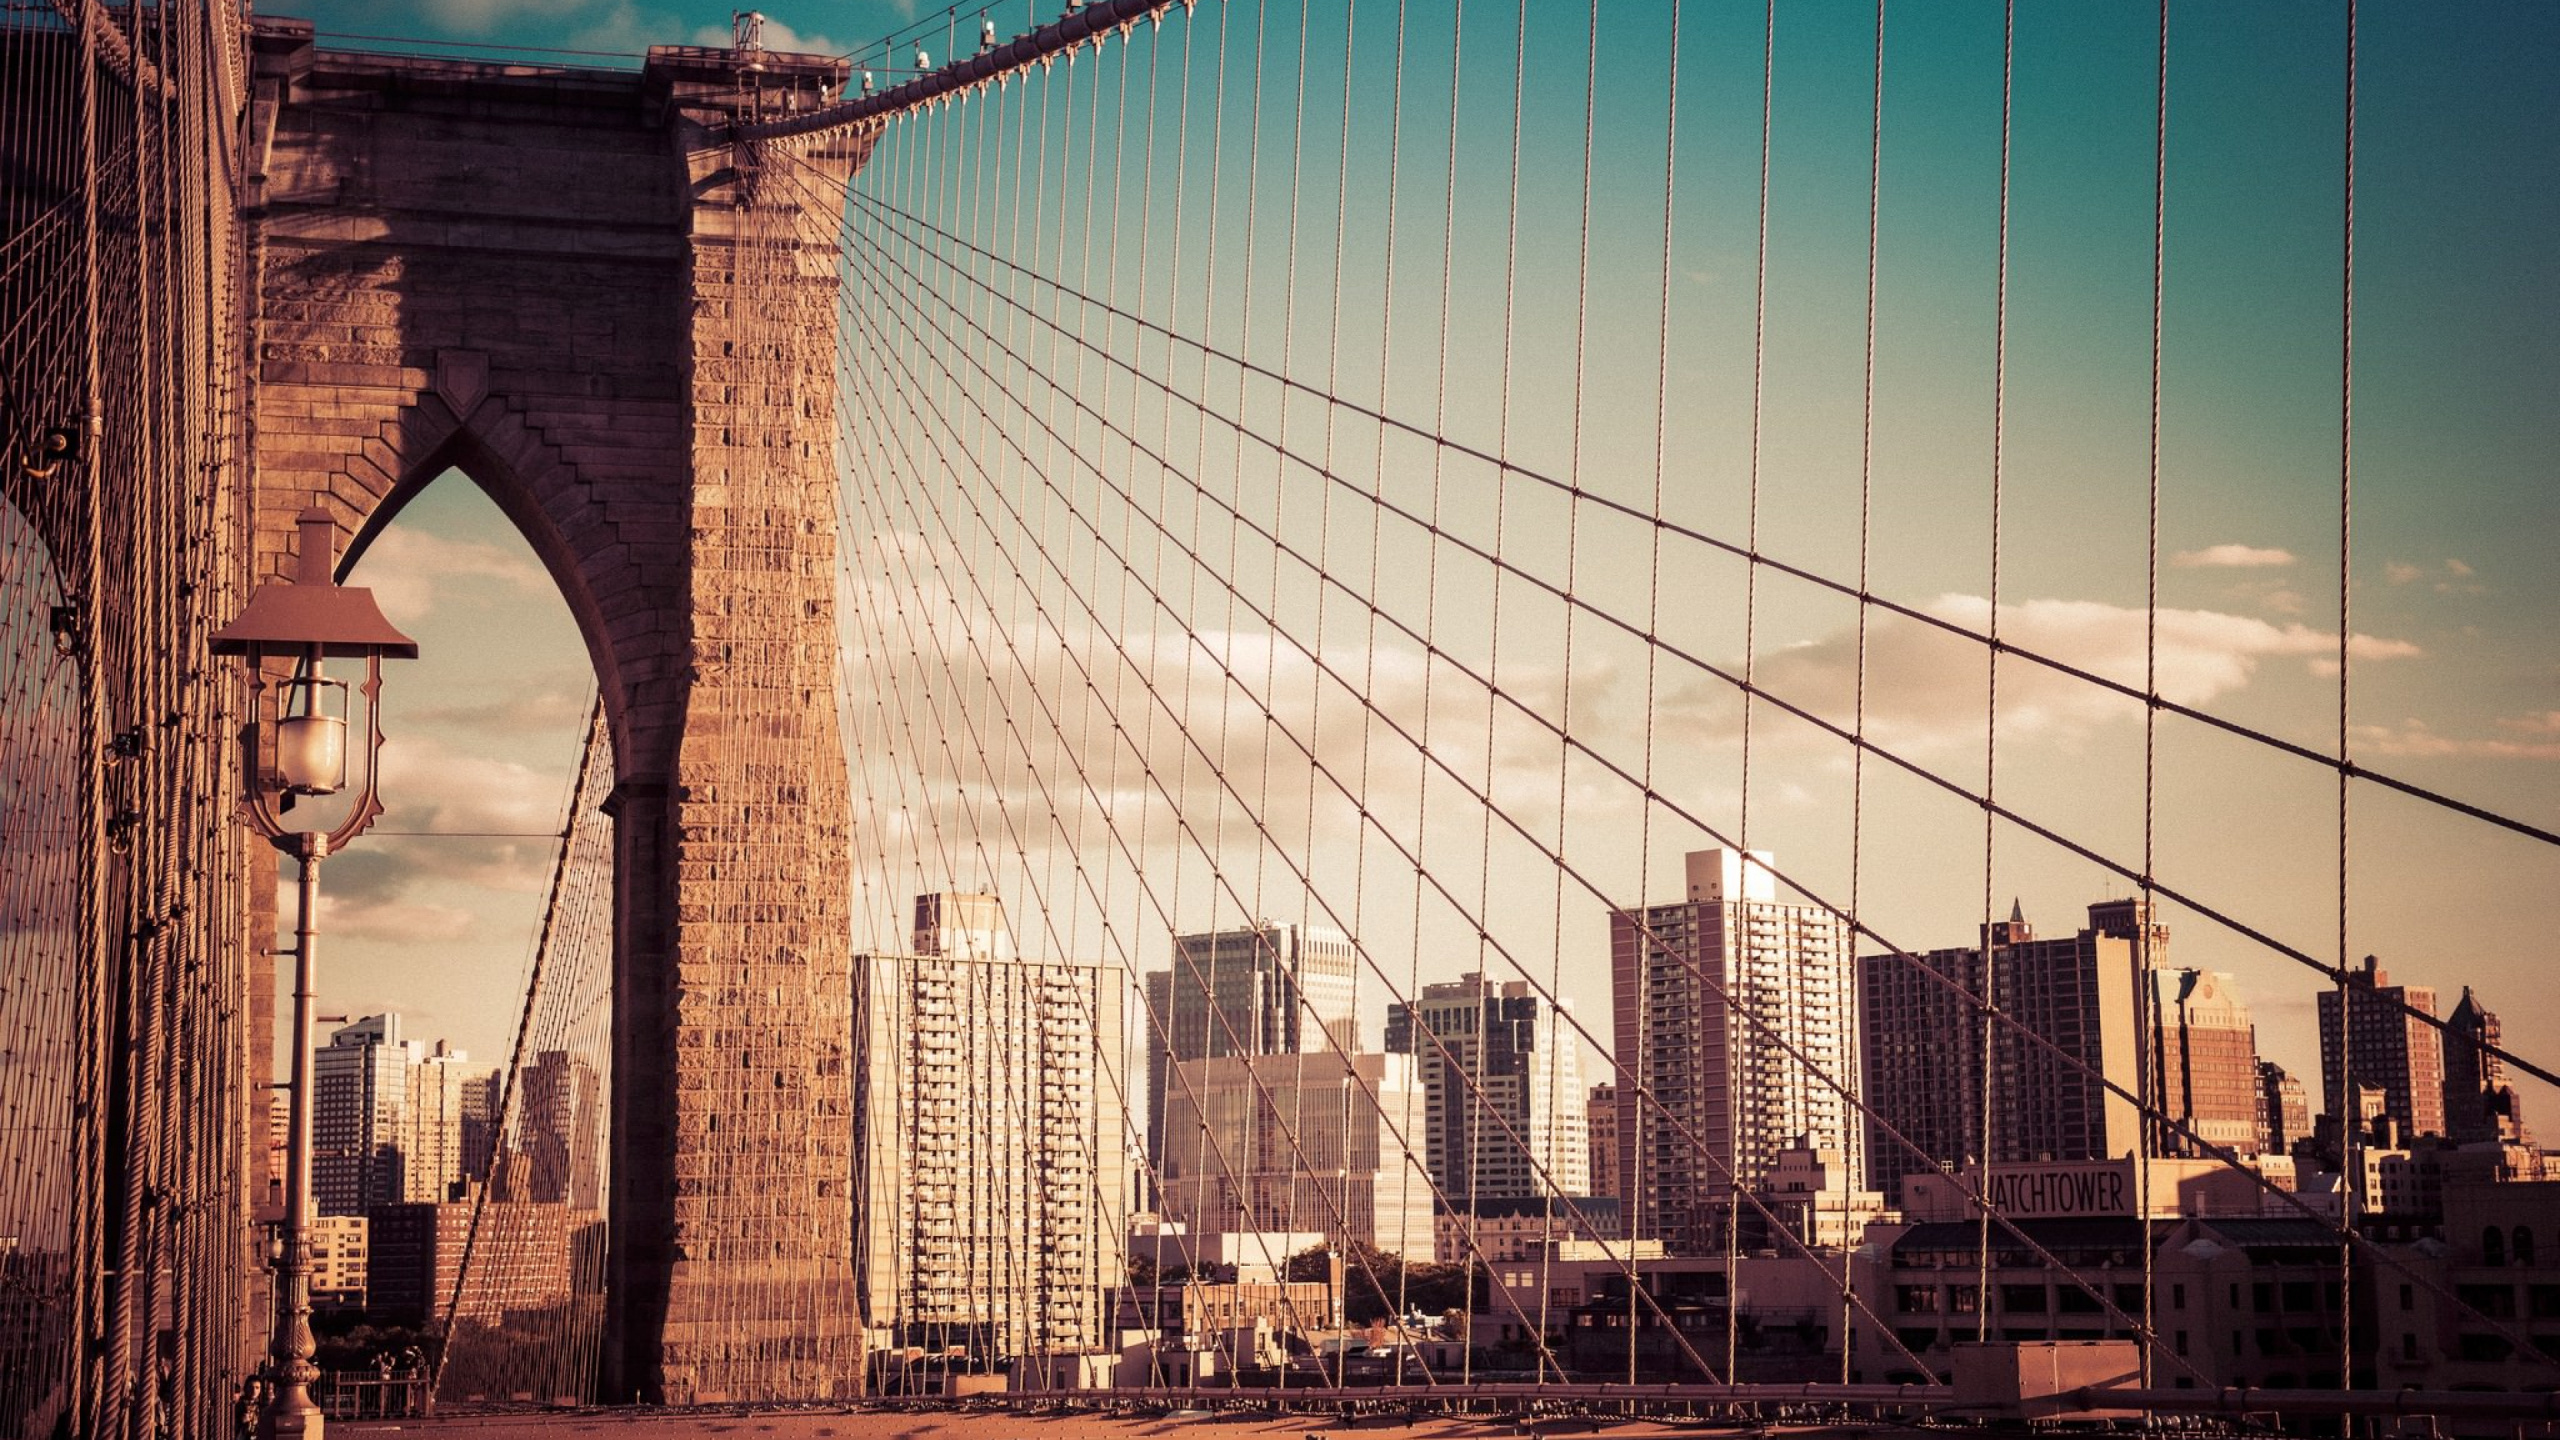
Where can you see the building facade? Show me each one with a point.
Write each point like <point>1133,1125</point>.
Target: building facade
<point>2448,1311</point>
<point>386,1118</point>
<point>2368,1036</point>
<point>1737,1013</point>
<point>1500,1231</point>
<point>990,1139</point>
<point>1269,988</point>
<point>561,1132</point>
<point>1306,1142</point>
<point>2284,1110</point>
<point>2204,1071</point>
<point>483,1111</point>
<point>1504,1107</point>
<point>441,1086</point>
<point>2479,1104</point>
<point>519,1261</point>
<point>2072,1025</point>
<point>1602,1114</point>
<point>339,1260</point>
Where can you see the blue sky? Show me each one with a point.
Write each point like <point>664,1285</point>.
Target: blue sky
<point>1117,189</point>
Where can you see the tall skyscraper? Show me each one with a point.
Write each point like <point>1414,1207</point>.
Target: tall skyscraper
<point>2368,1035</point>
<point>386,1118</point>
<point>1303,1142</point>
<point>482,1100</point>
<point>2284,1110</point>
<point>991,1142</point>
<point>1737,1015</point>
<point>1602,1113</point>
<point>2479,1104</point>
<point>2204,1064</point>
<point>561,1099</point>
<point>440,1084</point>
<point>2080,995</point>
<point>1268,989</point>
<point>1502,1085</point>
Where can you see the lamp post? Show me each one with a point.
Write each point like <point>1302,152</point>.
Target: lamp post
<point>294,750</point>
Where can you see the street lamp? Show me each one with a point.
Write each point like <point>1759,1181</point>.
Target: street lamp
<point>294,746</point>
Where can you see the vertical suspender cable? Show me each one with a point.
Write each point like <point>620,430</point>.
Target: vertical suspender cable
<point>1851,1003</point>
<point>2151,672</point>
<point>1735,914</point>
<point>1625,1137</point>
<point>2349,1113</point>
<point>96,965</point>
<point>1993,950</point>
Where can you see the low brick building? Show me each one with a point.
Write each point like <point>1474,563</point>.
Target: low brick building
<point>520,1259</point>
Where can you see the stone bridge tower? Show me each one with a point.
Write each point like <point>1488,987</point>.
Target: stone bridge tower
<point>573,287</point>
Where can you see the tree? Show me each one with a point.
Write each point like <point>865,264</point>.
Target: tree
<point>1379,1285</point>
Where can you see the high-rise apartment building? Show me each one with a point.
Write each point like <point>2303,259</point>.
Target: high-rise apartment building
<point>359,1106</point>
<point>1270,988</point>
<point>279,1133</point>
<point>386,1118</point>
<point>1737,1013</point>
<point>562,1104</point>
<point>483,1102</point>
<point>990,1138</point>
<point>441,1083</point>
<point>2284,1109</point>
<point>1504,1107</point>
<point>1299,1142</point>
<point>2479,1104</point>
<point>2071,1023</point>
<point>2369,1037</point>
<point>2204,1065</point>
<point>1601,1111</point>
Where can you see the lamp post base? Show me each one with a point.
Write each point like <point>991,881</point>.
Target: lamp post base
<point>290,1414</point>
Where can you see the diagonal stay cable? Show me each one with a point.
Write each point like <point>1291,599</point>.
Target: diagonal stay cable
<point>1234,1040</point>
<point>2226,1155</point>
<point>1194,741</point>
<point>1903,609</point>
<point>1455,903</point>
<point>1458,905</point>
<point>1040,900</point>
<point>1852,737</point>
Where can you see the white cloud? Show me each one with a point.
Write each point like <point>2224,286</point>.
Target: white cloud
<point>478,17</point>
<point>502,813</point>
<point>978,740</point>
<point>1925,687</point>
<point>976,734</point>
<point>405,567</point>
<point>778,37</point>
<point>2414,737</point>
<point>622,28</point>
<point>399,921</point>
<point>544,713</point>
<point>2458,578</point>
<point>2231,557</point>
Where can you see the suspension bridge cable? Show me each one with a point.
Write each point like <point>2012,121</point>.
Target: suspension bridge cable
<point>1447,1059</point>
<point>1902,610</point>
<point>2214,1150</point>
<point>1737,682</point>
<point>1437,885</point>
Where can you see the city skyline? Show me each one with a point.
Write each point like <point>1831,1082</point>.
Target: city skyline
<point>1093,694</point>
<point>2454,685</point>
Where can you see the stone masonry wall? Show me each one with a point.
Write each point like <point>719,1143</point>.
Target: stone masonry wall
<point>553,282</point>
